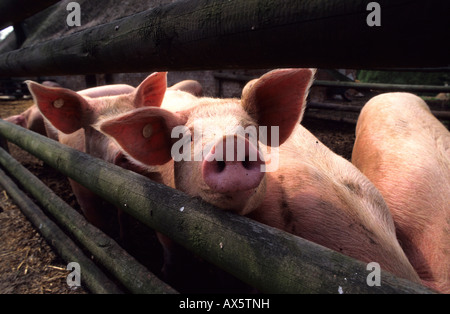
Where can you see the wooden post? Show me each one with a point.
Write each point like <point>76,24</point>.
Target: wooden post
<point>269,259</point>
<point>216,34</point>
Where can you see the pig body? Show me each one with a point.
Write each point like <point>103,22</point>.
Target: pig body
<point>405,151</point>
<point>313,193</point>
<point>190,86</point>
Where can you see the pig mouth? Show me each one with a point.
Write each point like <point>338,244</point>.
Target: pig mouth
<point>235,201</point>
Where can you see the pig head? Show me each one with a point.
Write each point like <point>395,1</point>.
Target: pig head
<point>308,191</point>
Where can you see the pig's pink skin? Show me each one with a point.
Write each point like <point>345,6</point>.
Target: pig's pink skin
<point>30,119</point>
<point>107,90</point>
<point>405,151</point>
<point>314,193</point>
<point>19,119</point>
<point>190,86</point>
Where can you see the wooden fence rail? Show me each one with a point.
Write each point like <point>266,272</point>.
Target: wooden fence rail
<point>269,259</point>
<point>205,34</point>
<point>443,115</point>
<point>386,87</point>
<point>351,84</point>
<point>14,11</point>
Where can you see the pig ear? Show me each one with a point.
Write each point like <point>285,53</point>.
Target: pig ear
<point>64,108</point>
<point>144,134</point>
<point>278,98</point>
<point>150,92</point>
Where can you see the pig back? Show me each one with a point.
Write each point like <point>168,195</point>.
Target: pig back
<point>323,198</point>
<point>405,151</point>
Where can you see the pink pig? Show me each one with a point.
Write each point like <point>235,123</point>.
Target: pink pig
<point>73,113</point>
<point>311,192</point>
<point>405,151</point>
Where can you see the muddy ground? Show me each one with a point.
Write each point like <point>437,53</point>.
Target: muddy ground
<point>28,265</point>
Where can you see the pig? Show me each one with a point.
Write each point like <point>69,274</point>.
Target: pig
<point>72,113</point>
<point>310,192</point>
<point>405,151</point>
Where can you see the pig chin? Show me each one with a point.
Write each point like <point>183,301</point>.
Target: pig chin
<point>239,202</point>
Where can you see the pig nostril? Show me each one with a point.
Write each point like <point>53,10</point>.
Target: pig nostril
<point>220,166</point>
<point>246,164</point>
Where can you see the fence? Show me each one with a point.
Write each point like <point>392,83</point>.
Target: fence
<point>267,258</point>
<point>205,34</point>
<point>192,35</point>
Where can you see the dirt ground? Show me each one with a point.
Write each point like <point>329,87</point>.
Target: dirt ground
<point>28,265</point>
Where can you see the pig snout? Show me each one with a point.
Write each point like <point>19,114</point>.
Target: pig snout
<point>233,164</point>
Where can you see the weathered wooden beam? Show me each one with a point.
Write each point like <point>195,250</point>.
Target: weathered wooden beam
<point>14,11</point>
<point>347,84</point>
<point>385,87</point>
<point>134,276</point>
<point>269,259</point>
<point>443,115</point>
<point>216,34</point>
<point>91,276</point>
<point>330,106</point>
